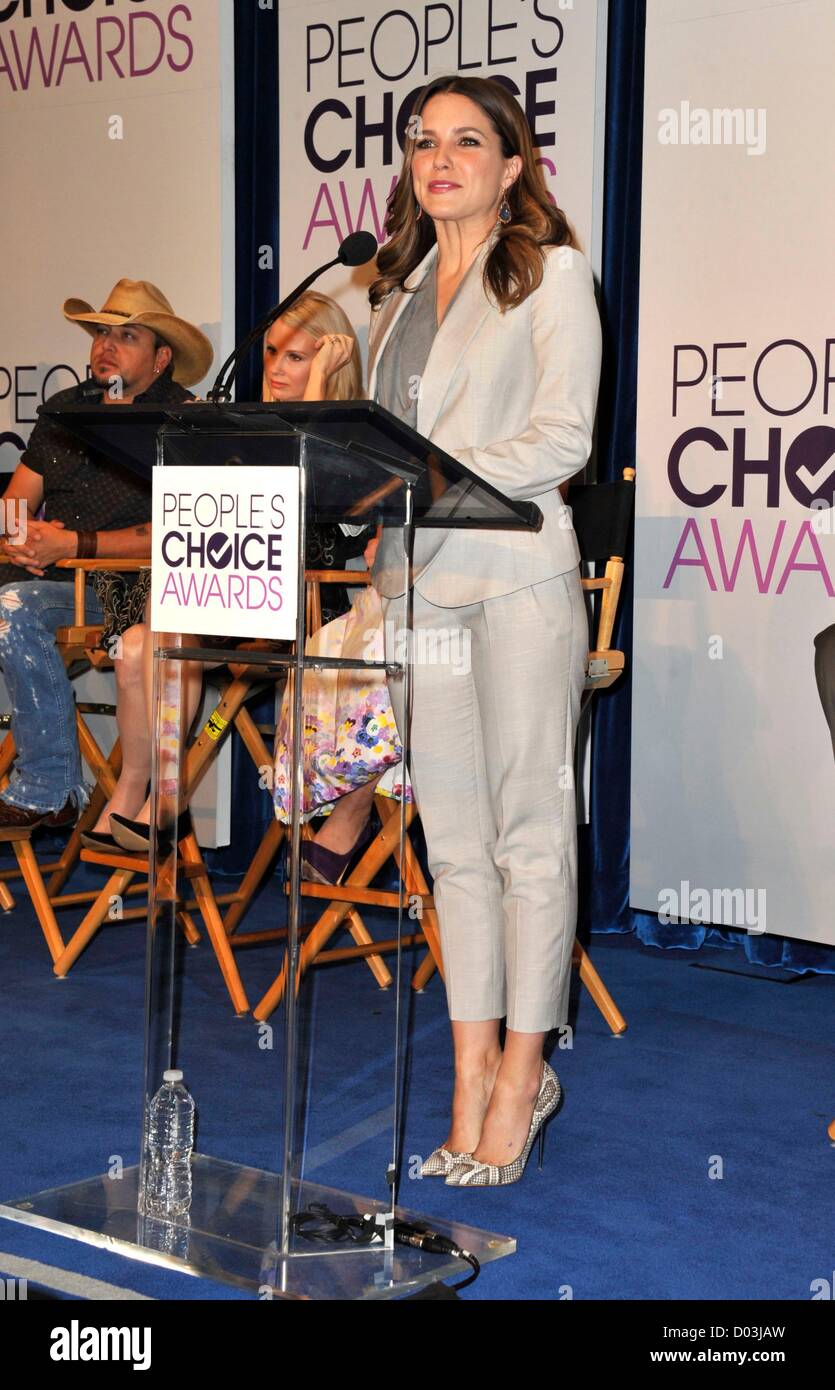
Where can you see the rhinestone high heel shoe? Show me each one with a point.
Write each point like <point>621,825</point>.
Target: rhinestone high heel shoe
<point>472,1173</point>
<point>441,1161</point>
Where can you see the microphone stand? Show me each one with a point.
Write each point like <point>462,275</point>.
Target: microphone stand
<point>221,393</point>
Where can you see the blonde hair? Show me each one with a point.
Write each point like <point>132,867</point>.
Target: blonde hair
<point>317,314</point>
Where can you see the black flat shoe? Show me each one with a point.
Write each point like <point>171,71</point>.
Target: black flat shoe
<point>135,835</point>
<point>98,839</point>
<point>132,835</point>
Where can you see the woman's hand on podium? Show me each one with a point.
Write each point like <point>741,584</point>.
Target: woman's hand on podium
<point>370,553</point>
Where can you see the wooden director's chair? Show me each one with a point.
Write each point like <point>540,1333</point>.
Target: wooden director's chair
<point>79,648</point>
<point>378,852</point>
<point>602,515</point>
<point>126,867</point>
<point>78,645</point>
<point>245,680</point>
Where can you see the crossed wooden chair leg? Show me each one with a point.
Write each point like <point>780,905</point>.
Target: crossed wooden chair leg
<point>342,910</point>
<point>193,869</point>
<point>105,771</point>
<point>127,867</point>
<point>264,855</point>
<point>45,897</point>
<point>229,711</point>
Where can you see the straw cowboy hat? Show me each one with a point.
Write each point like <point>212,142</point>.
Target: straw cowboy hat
<point>140,302</point>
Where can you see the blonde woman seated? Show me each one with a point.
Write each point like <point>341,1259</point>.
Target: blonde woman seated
<point>310,353</point>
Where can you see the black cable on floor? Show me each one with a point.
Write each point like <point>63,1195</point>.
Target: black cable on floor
<point>319,1223</point>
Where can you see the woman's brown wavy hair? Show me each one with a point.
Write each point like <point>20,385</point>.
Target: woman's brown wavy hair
<point>514,267</point>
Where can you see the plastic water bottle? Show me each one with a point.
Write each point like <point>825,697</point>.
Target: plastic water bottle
<point>170,1236</point>
<point>170,1142</point>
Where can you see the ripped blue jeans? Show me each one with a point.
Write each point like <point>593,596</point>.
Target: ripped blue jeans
<point>48,764</point>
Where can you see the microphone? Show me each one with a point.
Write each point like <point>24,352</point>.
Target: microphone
<point>89,389</point>
<point>356,249</point>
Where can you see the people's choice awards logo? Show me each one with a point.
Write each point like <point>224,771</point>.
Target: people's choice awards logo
<point>774,459</point>
<point>53,43</point>
<point>225,551</point>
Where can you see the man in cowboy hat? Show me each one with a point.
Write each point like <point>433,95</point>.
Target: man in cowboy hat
<point>141,352</point>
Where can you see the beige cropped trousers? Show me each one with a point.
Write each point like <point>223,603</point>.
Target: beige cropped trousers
<point>496,700</point>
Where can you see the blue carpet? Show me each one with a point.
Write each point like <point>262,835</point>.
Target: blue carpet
<point>716,1072</point>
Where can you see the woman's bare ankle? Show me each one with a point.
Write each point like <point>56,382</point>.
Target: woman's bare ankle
<point>122,803</point>
<point>474,1081</point>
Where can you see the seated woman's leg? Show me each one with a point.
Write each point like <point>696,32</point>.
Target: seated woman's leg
<point>134,680</point>
<point>187,696</point>
<point>348,819</point>
<point>133,724</point>
<point>350,737</point>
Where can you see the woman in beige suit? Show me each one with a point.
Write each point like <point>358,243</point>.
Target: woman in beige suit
<point>485,336</point>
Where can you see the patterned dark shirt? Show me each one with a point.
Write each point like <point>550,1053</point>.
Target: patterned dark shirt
<point>328,548</point>
<point>81,487</point>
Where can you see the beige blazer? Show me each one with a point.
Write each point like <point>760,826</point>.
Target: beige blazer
<point>513,397</point>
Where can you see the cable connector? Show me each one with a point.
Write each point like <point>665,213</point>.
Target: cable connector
<point>375,1225</point>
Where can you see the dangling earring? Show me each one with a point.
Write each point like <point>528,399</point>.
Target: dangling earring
<point>419,213</point>
<point>505,215</point>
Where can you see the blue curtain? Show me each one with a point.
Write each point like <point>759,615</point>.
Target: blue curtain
<point>605,845</point>
<point>256,178</point>
<point>256,289</point>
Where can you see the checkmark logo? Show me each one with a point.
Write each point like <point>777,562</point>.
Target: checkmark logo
<point>810,466</point>
<point>219,550</point>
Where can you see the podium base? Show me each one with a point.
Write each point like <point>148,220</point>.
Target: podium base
<point>229,1235</point>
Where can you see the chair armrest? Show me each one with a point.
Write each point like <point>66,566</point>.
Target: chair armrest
<point>83,567</point>
<point>124,566</point>
<point>347,577</point>
<point>313,579</point>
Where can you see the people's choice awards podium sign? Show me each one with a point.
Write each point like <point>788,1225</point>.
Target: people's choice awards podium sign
<point>225,551</point>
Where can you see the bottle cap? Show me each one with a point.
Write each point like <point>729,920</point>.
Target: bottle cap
<point>172,1075</point>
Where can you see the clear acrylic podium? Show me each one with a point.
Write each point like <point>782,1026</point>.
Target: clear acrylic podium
<point>318,1088</point>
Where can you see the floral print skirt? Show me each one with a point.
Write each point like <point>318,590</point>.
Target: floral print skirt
<point>350,736</point>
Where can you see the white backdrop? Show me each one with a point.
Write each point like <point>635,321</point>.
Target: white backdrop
<point>733,781</point>
<point>81,209</point>
<point>345,75</point>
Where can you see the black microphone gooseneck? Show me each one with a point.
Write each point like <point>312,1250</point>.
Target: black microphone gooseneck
<point>356,249</point>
